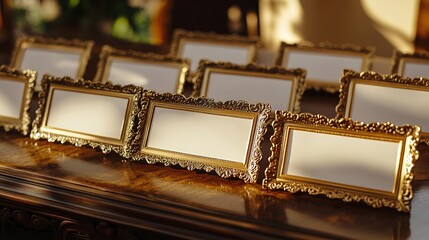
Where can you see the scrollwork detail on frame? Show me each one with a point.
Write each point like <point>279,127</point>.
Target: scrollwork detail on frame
<point>125,150</point>
<point>108,51</point>
<point>248,175</point>
<point>20,43</point>
<point>368,51</point>
<point>323,45</point>
<point>349,75</point>
<point>398,55</point>
<point>400,203</point>
<point>297,73</point>
<point>30,77</point>
<point>181,33</point>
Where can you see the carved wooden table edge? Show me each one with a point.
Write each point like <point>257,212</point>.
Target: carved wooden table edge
<point>96,211</point>
<point>165,218</point>
<point>87,209</point>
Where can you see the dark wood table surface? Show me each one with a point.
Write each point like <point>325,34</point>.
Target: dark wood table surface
<point>59,191</point>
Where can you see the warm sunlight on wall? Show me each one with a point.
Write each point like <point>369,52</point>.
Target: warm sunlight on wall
<point>385,24</point>
<point>395,19</point>
<point>278,20</point>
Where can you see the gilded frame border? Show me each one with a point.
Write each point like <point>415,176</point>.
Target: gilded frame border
<point>204,105</point>
<point>409,134</point>
<point>344,104</point>
<point>29,78</point>
<point>72,45</point>
<point>181,35</point>
<point>297,77</point>
<point>130,119</point>
<point>367,54</point>
<point>399,58</point>
<point>108,52</point>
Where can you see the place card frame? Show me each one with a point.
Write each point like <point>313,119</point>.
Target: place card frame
<point>344,106</point>
<point>28,78</point>
<point>182,36</point>
<point>122,146</point>
<point>406,136</point>
<point>400,59</point>
<point>108,54</point>
<point>325,48</point>
<point>257,113</point>
<point>297,76</point>
<point>53,44</point>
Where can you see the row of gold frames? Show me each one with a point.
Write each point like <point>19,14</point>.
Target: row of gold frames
<point>69,58</point>
<point>102,147</point>
<point>144,128</point>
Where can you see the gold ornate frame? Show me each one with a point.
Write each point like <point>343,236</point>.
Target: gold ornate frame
<point>399,59</point>
<point>122,146</point>
<point>109,54</point>
<point>182,36</point>
<point>350,78</point>
<point>296,76</point>
<point>366,53</point>
<point>28,77</point>
<point>55,44</point>
<point>258,114</point>
<point>406,136</point>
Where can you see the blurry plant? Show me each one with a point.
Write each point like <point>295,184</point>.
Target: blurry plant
<point>128,20</point>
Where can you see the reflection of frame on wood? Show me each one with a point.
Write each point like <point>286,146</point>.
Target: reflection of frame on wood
<point>156,72</point>
<point>410,64</point>
<point>16,91</point>
<point>371,97</point>
<point>199,133</point>
<point>324,62</point>
<point>87,113</point>
<point>280,87</point>
<point>343,159</point>
<point>196,46</point>
<point>59,57</point>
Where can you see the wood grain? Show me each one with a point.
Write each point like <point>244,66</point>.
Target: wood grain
<point>82,183</point>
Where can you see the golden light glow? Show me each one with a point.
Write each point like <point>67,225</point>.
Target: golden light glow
<point>396,20</point>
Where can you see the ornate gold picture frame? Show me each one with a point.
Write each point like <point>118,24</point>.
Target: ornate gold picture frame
<point>55,56</point>
<point>410,65</point>
<point>282,88</point>
<point>324,62</point>
<point>343,159</point>
<point>16,92</point>
<point>196,46</point>
<point>371,97</point>
<point>87,113</point>
<point>200,133</point>
<point>151,71</point>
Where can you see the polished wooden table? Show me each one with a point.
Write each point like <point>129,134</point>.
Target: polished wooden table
<point>55,191</point>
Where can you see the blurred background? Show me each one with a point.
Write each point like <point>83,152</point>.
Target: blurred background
<point>148,25</point>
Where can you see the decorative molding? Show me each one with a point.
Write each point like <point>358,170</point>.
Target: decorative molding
<point>249,175</point>
<point>30,75</point>
<point>403,203</point>
<point>37,133</point>
<point>297,73</point>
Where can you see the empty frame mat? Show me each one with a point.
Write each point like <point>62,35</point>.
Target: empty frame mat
<point>355,162</point>
<point>196,50</point>
<point>323,67</point>
<point>16,92</point>
<point>343,159</point>
<point>373,101</point>
<point>94,115</point>
<point>414,67</point>
<point>210,136</point>
<point>55,60</point>
<point>224,85</point>
<point>12,96</point>
<point>157,76</point>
